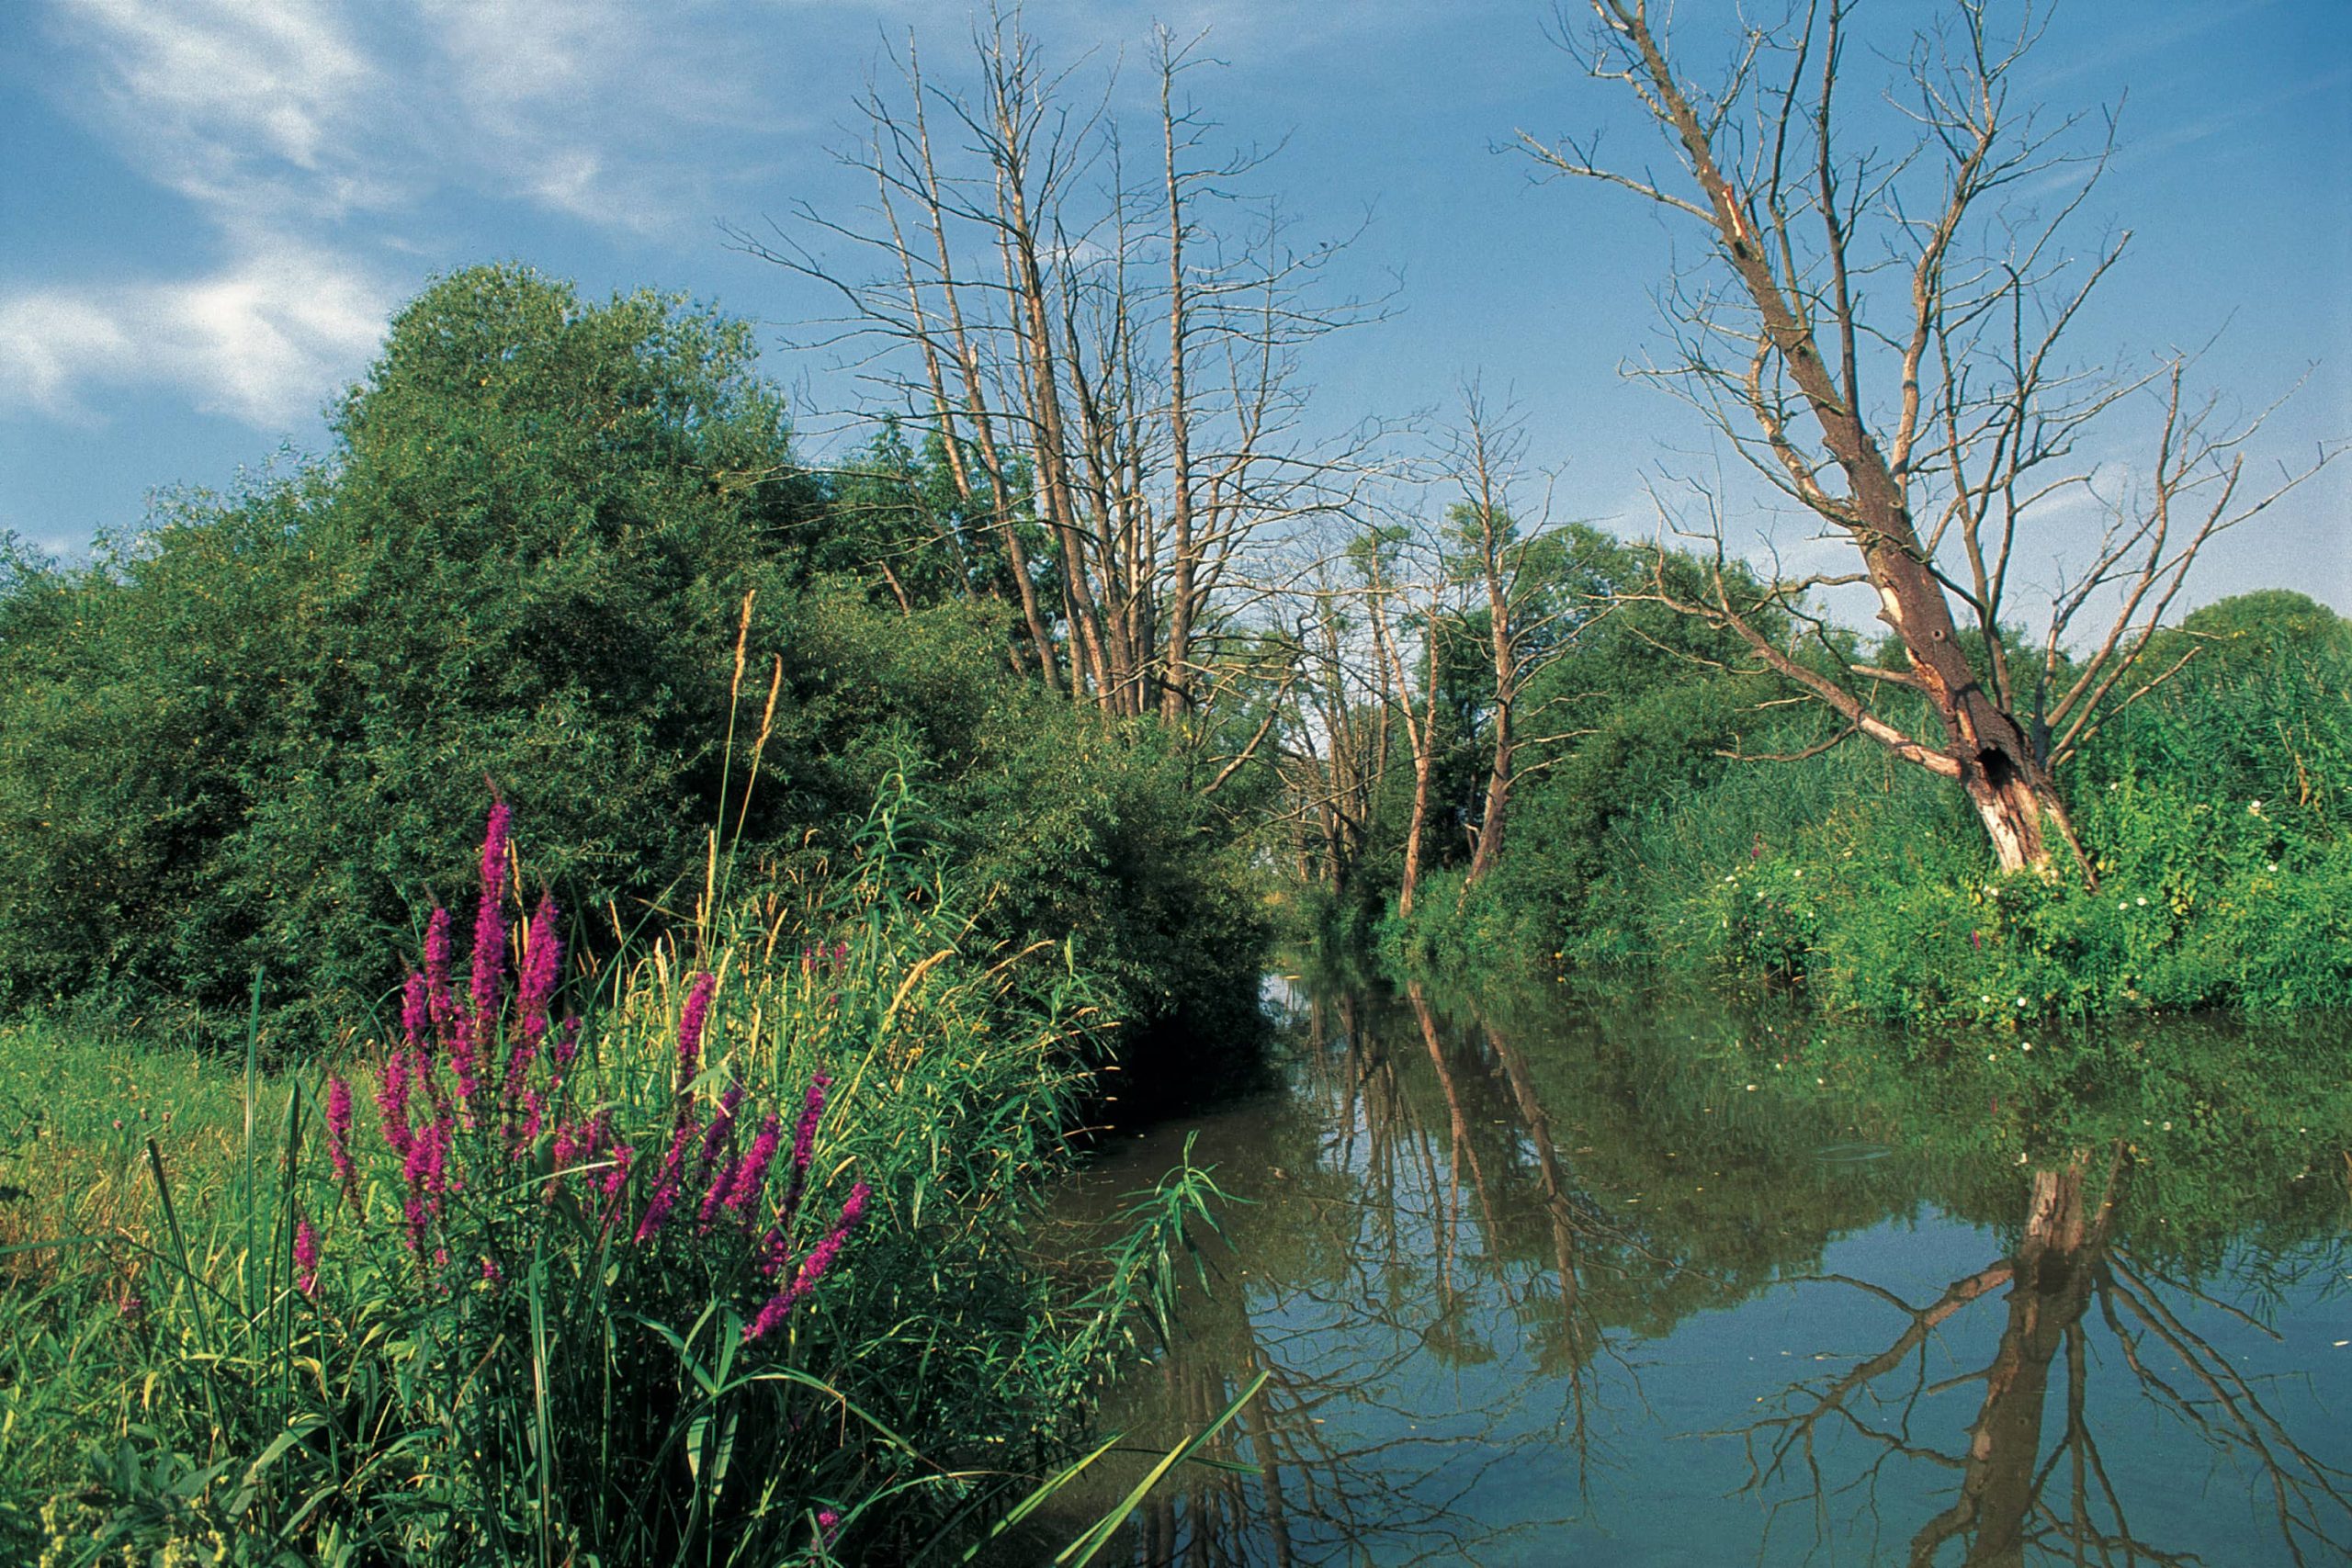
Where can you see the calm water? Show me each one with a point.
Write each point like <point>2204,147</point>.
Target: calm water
<point>1627,1284</point>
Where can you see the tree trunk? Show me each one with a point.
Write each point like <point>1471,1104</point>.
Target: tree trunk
<point>1993,758</point>
<point>1414,830</point>
<point>1986,748</point>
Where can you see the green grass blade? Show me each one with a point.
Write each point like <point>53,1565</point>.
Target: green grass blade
<point>1085,1548</point>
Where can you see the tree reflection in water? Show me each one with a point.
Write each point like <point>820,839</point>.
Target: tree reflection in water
<point>2017,1492</point>
<point>1494,1265</point>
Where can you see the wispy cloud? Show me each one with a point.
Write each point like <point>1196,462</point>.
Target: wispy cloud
<point>263,341</point>
<point>313,138</point>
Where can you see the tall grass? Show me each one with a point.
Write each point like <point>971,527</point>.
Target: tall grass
<point>725,1268</point>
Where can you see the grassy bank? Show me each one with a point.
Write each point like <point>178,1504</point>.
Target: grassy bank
<point>2216,812</point>
<point>716,1253</point>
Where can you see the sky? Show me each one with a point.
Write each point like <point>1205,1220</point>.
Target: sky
<point>210,210</point>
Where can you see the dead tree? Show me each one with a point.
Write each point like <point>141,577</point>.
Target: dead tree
<point>1512,566</point>
<point>1883,337</point>
<point>1395,595</point>
<point>1110,357</point>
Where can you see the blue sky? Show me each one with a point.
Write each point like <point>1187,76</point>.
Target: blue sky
<point>210,207</point>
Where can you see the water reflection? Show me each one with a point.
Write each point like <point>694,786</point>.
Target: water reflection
<point>2022,1486</point>
<point>1530,1286</point>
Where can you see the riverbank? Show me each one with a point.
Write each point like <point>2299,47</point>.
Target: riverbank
<point>2216,814</point>
<point>728,1246</point>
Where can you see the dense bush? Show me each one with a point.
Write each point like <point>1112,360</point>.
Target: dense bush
<point>566,544</point>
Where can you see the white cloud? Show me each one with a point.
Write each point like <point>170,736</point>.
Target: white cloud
<point>263,341</point>
<point>233,102</point>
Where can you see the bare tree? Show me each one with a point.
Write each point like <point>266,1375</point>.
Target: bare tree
<point>1881,335</point>
<point>1513,566</point>
<point>1394,594</point>
<point>2018,1487</point>
<point>1109,358</point>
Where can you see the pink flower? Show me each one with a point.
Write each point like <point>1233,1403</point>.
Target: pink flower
<point>391,1103</point>
<point>750,1172</point>
<point>691,1019</point>
<point>339,1129</point>
<point>306,1257</point>
<point>813,1268</point>
<point>416,1010</point>
<point>708,1169</point>
<point>665,1185</point>
<point>804,1141</point>
<point>617,1177</point>
<point>542,967</point>
<point>440,1005</point>
<point>488,979</point>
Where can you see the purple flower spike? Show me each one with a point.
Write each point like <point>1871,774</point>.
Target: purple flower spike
<point>665,1186</point>
<point>804,1141</point>
<point>441,1003</point>
<point>691,1019</point>
<point>542,961</point>
<point>306,1257</point>
<point>714,1178</point>
<point>542,966</point>
<point>752,1171</point>
<point>813,1268</point>
<point>416,1012</point>
<point>493,846</point>
<point>391,1103</point>
<point>618,1177</point>
<point>339,1129</point>
<point>567,1043</point>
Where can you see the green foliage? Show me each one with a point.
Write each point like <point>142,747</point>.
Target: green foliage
<point>270,722</point>
<point>538,1369</point>
<point>256,736</point>
<point>2216,807</point>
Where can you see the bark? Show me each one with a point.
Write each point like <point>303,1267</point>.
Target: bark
<point>1176,697</point>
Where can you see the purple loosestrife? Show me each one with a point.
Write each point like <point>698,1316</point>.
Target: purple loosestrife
<point>804,1141</point>
<point>416,1012</point>
<point>339,1132</point>
<point>391,1103</point>
<point>306,1257</point>
<point>542,966</point>
<point>441,1004</point>
<point>813,1268</point>
<point>708,1173</point>
<point>617,1177</point>
<point>665,1185</point>
<point>567,1045</point>
<point>691,1019</point>
<point>478,1034</point>
<point>750,1173</point>
<point>527,1125</point>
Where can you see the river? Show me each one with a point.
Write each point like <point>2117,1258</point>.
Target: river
<point>1607,1279</point>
